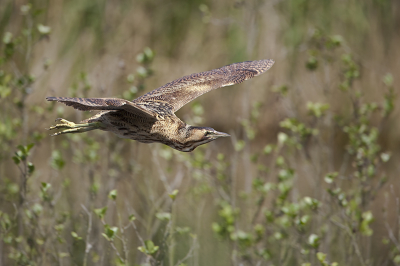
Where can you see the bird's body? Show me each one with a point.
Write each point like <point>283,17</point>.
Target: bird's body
<point>150,118</point>
<point>169,130</point>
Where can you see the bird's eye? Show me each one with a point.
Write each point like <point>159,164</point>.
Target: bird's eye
<point>207,133</point>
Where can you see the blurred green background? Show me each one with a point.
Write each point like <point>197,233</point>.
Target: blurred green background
<point>310,175</point>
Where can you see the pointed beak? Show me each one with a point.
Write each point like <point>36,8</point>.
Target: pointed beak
<point>217,134</point>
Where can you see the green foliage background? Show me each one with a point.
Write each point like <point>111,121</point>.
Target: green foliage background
<point>309,176</point>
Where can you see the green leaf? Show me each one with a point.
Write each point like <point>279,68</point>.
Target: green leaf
<point>142,72</point>
<point>330,177</point>
<point>312,63</point>
<point>396,259</point>
<point>163,216</point>
<point>16,159</point>
<point>149,53</point>
<point>301,221</point>
<point>44,30</point>
<point>282,138</point>
<point>283,89</point>
<point>59,227</point>
<point>5,222</point>
<point>132,217</point>
<point>385,157</point>
<point>29,147</point>
<point>149,248</point>
<point>57,162</point>
<point>317,109</point>
<point>26,8</point>
<point>268,149</point>
<point>130,78</point>
<point>37,208</point>
<point>367,219</point>
<point>334,41</point>
<point>321,257</point>
<point>4,91</point>
<point>182,230</point>
<point>31,168</point>
<point>216,227</point>
<point>110,232</point>
<point>141,249</point>
<point>278,235</point>
<point>285,174</point>
<point>7,38</point>
<point>8,239</point>
<point>100,212</point>
<point>239,145</point>
<point>75,235</point>
<point>12,188</point>
<point>94,188</point>
<point>45,186</point>
<point>388,80</point>
<point>113,194</point>
<point>173,194</point>
<point>312,203</point>
<point>197,109</point>
<point>313,240</point>
<point>140,58</point>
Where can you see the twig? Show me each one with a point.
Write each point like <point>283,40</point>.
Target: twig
<point>392,236</point>
<point>116,251</point>
<point>263,197</point>
<point>89,230</point>
<point>137,233</point>
<point>190,252</point>
<point>354,242</point>
<point>162,176</point>
<point>122,238</point>
<point>113,246</point>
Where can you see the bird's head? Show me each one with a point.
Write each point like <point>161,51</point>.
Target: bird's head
<point>196,136</point>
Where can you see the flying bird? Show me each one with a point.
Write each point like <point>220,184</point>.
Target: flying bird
<point>151,117</point>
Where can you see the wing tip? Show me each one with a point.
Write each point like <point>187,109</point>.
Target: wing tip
<point>260,66</point>
<point>268,63</point>
<point>51,98</point>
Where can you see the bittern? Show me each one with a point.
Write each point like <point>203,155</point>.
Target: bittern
<point>151,117</point>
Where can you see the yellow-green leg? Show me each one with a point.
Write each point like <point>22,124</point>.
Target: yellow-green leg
<point>71,127</point>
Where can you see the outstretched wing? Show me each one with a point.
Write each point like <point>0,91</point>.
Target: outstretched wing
<point>89,104</point>
<point>181,91</point>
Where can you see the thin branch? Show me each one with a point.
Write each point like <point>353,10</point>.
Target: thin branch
<point>354,242</point>
<point>89,230</point>
<point>122,238</point>
<point>190,252</point>
<point>116,251</point>
<point>392,236</point>
<point>137,233</point>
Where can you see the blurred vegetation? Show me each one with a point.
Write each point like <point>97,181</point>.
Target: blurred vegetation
<point>309,177</point>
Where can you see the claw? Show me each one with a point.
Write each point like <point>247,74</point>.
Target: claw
<point>62,120</point>
<point>63,124</point>
<point>71,127</point>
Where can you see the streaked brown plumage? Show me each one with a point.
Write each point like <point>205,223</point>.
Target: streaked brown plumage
<point>151,118</point>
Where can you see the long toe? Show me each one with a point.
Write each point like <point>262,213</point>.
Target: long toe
<point>63,123</point>
<point>70,127</point>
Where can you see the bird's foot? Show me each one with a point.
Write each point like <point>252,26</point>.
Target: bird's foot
<point>63,123</point>
<point>71,127</point>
